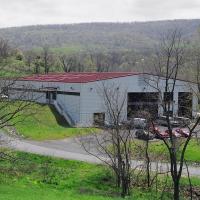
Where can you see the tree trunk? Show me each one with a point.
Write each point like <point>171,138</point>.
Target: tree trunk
<point>176,190</point>
<point>118,181</point>
<point>147,163</point>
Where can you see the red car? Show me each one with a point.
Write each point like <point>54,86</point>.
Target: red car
<point>154,129</point>
<point>176,134</point>
<point>183,132</point>
<point>162,135</point>
<point>158,133</point>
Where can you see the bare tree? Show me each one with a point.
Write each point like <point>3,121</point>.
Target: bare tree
<point>113,147</point>
<point>4,48</point>
<point>15,99</point>
<point>169,60</point>
<point>69,63</point>
<point>46,56</point>
<point>195,63</point>
<point>101,62</point>
<point>142,151</point>
<point>147,156</point>
<point>196,58</point>
<point>198,71</point>
<point>15,107</point>
<point>29,58</point>
<point>37,64</point>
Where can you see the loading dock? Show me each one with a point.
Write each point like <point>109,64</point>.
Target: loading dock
<point>145,101</point>
<point>185,104</point>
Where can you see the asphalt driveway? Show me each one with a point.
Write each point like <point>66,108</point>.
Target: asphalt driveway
<point>71,149</point>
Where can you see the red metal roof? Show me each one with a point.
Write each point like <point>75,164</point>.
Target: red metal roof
<point>81,77</point>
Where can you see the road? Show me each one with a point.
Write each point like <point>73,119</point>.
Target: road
<point>71,149</point>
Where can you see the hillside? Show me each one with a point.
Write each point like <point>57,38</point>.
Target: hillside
<point>138,36</point>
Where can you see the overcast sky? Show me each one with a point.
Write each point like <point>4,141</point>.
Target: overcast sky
<point>28,12</point>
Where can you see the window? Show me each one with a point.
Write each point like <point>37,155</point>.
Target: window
<point>99,118</point>
<point>168,96</point>
<point>47,95</point>
<point>54,95</point>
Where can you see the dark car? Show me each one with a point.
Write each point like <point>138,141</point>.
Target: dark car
<point>183,121</point>
<point>109,125</point>
<point>138,123</point>
<point>162,120</point>
<point>144,135</point>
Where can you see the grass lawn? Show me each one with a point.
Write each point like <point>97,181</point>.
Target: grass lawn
<point>44,123</point>
<point>157,147</point>
<point>32,177</point>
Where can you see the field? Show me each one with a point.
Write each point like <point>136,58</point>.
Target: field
<point>42,122</point>
<point>33,177</point>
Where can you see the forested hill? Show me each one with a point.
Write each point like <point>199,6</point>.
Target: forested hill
<point>140,36</point>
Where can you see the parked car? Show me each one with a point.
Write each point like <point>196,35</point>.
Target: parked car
<point>183,132</point>
<point>154,129</point>
<point>110,125</point>
<point>162,120</point>
<point>183,121</point>
<point>161,135</point>
<point>129,124</point>
<point>3,96</point>
<point>139,123</point>
<point>144,135</point>
<point>176,134</point>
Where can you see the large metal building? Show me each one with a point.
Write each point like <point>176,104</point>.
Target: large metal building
<point>76,95</point>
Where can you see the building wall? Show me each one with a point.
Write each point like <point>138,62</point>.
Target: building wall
<point>70,103</point>
<point>92,102</point>
<point>81,108</point>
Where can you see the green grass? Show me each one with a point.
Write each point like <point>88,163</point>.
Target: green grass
<point>42,122</point>
<point>31,177</point>
<point>36,177</point>
<point>158,148</point>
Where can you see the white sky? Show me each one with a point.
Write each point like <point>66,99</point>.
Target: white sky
<point>29,12</point>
